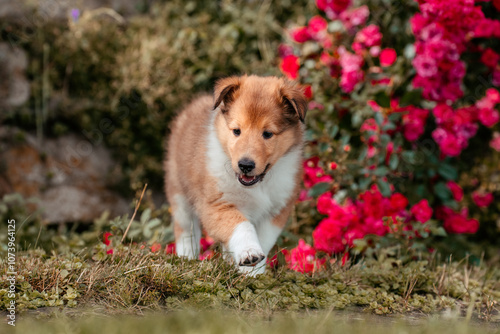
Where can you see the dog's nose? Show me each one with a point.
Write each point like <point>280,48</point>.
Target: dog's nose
<point>246,165</point>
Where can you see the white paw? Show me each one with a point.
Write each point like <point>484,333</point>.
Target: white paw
<point>249,257</point>
<point>258,269</point>
<point>244,245</point>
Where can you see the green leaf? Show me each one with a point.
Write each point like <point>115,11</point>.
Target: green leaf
<point>381,171</point>
<point>364,183</point>
<point>323,147</point>
<point>394,117</point>
<point>388,126</point>
<point>145,215</point>
<point>363,153</point>
<point>408,157</point>
<point>385,139</point>
<point>154,223</point>
<point>379,118</point>
<point>310,135</point>
<point>439,231</point>
<point>448,172</point>
<point>334,131</point>
<point>356,119</point>
<point>452,204</point>
<point>393,162</point>
<point>345,139</point>
<point>384,187</point>
<point>431,173</point>
<point>442,191</point>
<point>319,188</point>
<point>382,100</point>
<point>421,190</point>
<point>412,97</point>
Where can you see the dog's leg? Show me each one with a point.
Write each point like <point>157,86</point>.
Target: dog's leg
<point>186,228</point>
<point>236,233</point>
<point>268,233</point>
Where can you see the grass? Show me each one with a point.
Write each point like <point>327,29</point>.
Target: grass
<point>136,281</point>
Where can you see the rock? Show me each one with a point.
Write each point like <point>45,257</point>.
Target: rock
<point>14,87</point>
<point>71,177</point>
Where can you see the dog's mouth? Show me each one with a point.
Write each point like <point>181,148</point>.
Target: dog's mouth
<point>248,180</point>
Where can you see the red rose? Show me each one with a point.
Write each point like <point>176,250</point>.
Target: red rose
<point>328,237</point>
<point>335,6</point>
<point>422,211</point>
<point>456,190</point>
<point>308,92</point>
<point>303,258</point>
<point>387,57</point>
<point>398,202</point>
<point>106,240</point>
<point>300,35</point>
<point>205,243</point>
<point>456,223</point>
<point>482,200</point>
<point>155,247</point>
<point>170,248</point>
<point>290,66</point>
<point>490,58</point>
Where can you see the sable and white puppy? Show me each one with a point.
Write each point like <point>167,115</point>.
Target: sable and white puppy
<point>233,167</point>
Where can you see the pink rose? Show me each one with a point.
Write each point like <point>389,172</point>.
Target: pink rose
<point>495,141</point>
<point>355,17</point>
<point>489,117</point>
<point>316,25</point>
<point>369,36</point>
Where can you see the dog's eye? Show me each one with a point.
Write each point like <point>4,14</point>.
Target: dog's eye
<point>267,134</point>
<point>237,132</point>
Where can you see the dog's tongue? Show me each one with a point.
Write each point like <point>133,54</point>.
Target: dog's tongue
<point>247,178</point>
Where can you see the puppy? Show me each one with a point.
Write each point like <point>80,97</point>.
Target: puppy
<point>234,166</point>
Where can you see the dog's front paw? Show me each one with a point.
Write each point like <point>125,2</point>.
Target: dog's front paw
<point>250,257</point>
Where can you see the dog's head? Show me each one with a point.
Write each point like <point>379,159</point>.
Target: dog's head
<point>261,119</point>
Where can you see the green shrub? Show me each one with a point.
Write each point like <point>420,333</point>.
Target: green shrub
<point>120,82</point>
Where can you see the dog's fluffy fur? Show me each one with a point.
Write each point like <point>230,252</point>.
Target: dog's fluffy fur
<point>234,165</point>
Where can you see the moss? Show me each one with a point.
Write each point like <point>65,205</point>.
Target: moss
<point>136,279</point>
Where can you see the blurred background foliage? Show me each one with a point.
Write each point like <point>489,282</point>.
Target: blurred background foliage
<point>121,81</point>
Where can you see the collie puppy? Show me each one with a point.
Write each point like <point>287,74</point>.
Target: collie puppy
<point>234,167</point>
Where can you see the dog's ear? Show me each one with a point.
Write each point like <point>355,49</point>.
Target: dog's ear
<point>225,90</point>
<point>294,100</point>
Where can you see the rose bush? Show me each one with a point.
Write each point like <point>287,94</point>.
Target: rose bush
<point>403,116</point>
